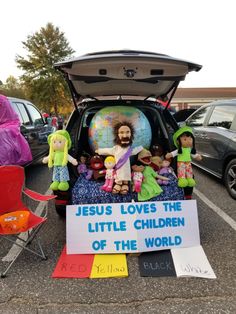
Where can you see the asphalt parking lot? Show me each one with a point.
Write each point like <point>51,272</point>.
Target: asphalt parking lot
<point>29,287</point>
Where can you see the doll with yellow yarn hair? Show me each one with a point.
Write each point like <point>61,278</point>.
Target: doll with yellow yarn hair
<point>110,173</point>
<point>59,143</point>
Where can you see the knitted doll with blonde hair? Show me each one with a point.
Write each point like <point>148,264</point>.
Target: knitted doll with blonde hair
<point>110,173</point>
<point>59,143</point>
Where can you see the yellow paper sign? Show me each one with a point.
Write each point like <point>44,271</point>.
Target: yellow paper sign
<point>109,265</point>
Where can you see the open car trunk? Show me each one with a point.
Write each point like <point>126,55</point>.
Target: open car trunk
<point>116,86</point>
<point>126,72</point>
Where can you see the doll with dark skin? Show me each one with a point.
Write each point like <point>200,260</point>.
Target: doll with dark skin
<point>157,150</point>
<point>82,167</point>
<point>137,176</point>
<point>184,141</point>
<point>96,165</point>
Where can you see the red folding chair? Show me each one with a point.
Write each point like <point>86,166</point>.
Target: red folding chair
<point>15,216</point>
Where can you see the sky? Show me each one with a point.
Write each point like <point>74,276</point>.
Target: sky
<point>200,31</point>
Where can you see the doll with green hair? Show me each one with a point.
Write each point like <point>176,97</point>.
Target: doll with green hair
<point>59,144</point>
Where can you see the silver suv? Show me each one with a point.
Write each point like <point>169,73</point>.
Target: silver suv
<point>118,81</point>
<point>214,127</point>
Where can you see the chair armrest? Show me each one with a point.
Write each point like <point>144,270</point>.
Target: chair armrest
<point>38,196</point>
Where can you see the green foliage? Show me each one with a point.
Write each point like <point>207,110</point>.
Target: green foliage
<point>44,85</point>
<point>13,88</point>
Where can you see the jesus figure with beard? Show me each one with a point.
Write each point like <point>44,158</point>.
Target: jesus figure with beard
<point>123,138</point>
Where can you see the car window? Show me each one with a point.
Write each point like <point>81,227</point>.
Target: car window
<point>35,115</point>
<point>20,109</point>
<point>198,118</point>
<point>222,116</point>
<point>14,106</point>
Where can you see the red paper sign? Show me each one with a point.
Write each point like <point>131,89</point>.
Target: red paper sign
<point>73,265</point>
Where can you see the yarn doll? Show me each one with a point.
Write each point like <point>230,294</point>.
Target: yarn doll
<point>165,169</point>
<point>184,141</point>
<point>137,176</point>
<point>110,173</point>
<point>82,167</point>
<point>59,143</point>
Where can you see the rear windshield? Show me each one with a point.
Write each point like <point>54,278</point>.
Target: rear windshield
<point>153,127</point>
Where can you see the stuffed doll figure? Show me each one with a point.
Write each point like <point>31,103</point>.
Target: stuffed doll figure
<point>83,169</point>
<point>59,143</point>
<point>123,139</point>
<point>184,141</point>
<point>149,188</point>
<point>137,177</point>
<point>96,165</point>
<point>109,163</point>
<point>164,169</point>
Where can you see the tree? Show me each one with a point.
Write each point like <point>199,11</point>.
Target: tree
<point>13,88</point>
<point>44,84</point>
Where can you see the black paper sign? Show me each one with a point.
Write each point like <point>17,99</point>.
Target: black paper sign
<point>156,264</point>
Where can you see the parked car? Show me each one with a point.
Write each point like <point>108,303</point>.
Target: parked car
<point>214,127</point>
<point>33,126</point>
<point>181,115</point>
<point>119,79</point>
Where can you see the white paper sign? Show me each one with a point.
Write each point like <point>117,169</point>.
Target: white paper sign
<point>131,227</point>
<point>192,261</point>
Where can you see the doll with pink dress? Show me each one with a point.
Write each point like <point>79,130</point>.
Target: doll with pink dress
<point>137,177</point>
<point>165,169</point>
<point>110,173</point>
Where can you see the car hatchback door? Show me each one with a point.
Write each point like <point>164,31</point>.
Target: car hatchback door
<point>125,72</point>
